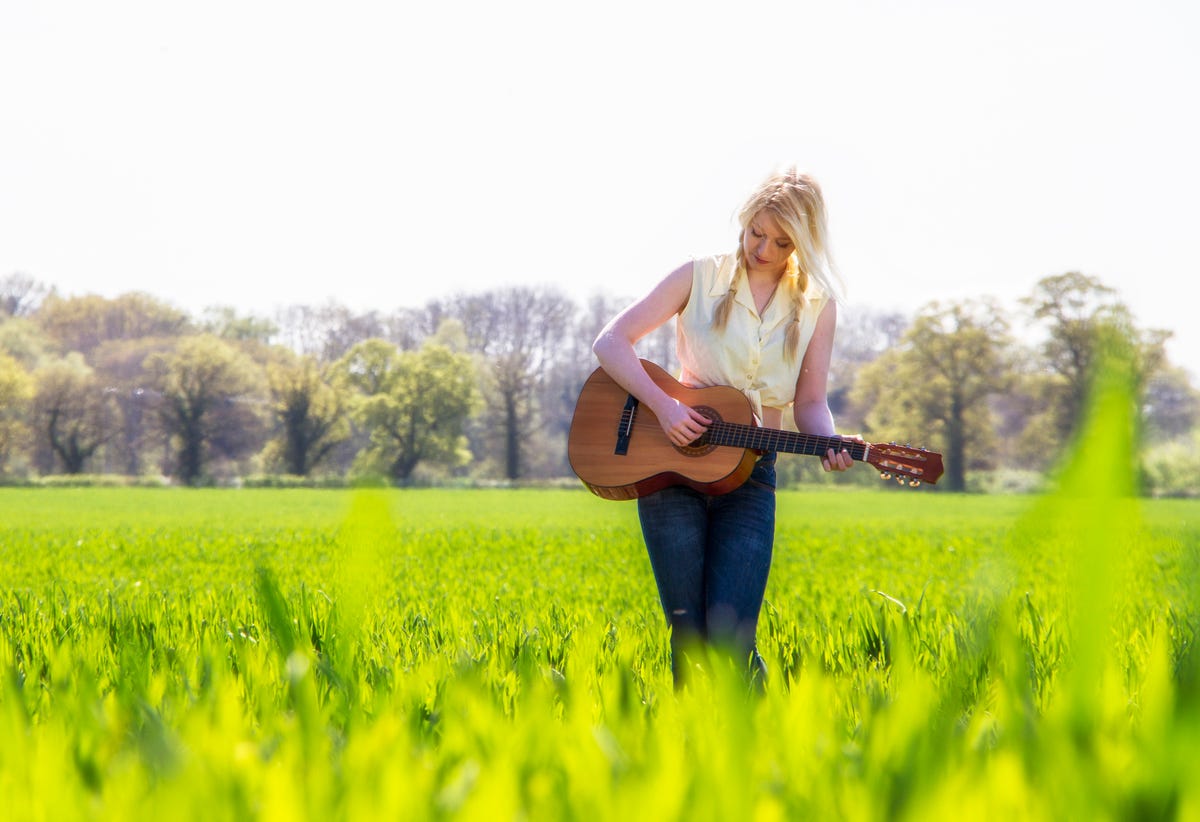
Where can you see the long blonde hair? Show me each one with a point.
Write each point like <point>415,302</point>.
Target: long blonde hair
<point>796,202</point>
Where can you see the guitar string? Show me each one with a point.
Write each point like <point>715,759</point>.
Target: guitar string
<point>738,435</point>
<point>744,436</point>
<point>753,437</point>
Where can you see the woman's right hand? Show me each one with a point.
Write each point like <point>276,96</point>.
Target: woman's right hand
<point>682,424</point>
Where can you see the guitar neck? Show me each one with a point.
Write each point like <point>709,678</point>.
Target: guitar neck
<point>773,439</point>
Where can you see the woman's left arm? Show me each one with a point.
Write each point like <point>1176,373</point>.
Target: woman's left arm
<point>811,403</point>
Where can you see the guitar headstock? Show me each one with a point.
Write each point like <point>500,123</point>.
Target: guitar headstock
<point>911,466</point>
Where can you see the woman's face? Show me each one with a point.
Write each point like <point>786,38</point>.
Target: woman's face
<point>765,245</point>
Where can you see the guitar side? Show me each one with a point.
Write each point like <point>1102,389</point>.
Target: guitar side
<point>651,462</point>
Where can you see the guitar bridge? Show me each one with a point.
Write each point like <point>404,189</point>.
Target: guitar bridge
<point>625,427</point>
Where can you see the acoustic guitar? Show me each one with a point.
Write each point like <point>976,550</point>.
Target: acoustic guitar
<point>620,452</point>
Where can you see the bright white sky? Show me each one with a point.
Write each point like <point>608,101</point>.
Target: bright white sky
<point>262,153</point>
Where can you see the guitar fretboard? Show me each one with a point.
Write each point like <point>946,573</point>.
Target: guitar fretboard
<point>773,439</point>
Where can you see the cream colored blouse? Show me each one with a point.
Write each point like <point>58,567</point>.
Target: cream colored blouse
<point>749,353</point>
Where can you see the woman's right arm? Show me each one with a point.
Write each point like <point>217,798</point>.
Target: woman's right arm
<point>614,348</point>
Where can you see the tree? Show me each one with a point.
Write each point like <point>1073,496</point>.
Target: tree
<point>408,328</point>
<point>207,403</point>
<point>23,340</point>
<point>16,387</point>
<point>1081,316</point>
<point>521,334</point>
<point>20,295</point>
<point>74,411</point>
<point>413,404</point>
<point>1170,405</point>
<point>309,412</point>
<point>121,366</point>
<point>83,323</point>
<point>1025,416</point>
<point>344,329</point>
<point>225,322</point>
<point>938,381</point>
<point>327,331</point>
<point>862,336</point>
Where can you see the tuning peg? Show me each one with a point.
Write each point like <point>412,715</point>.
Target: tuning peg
<point>900,480</point>
<point>913,483</point>
<point>884,475</point>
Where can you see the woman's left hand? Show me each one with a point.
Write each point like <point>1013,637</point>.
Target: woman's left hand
<point>839,460</point>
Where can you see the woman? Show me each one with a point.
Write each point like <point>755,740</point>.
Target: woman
<point>762,320</point>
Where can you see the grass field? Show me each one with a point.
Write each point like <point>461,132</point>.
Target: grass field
<point>430,654</point>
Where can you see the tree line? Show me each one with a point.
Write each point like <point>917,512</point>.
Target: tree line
<point>482,386</point>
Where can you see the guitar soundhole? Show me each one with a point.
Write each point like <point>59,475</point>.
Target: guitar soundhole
<point>701,446</point>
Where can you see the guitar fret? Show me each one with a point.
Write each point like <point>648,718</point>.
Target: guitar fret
<point>770,439</point>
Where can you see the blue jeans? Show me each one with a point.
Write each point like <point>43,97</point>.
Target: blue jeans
<point>711,556</point>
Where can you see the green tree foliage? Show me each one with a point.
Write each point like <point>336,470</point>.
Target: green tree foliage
<point>310,414</point>
<point>16,388</point>
<point>412,404</point>
<point>23,339</point>
<point>83,323</point>
<point>1025,415</point>
<point>1173,468</point>
<point>73,411</point>
<point>934,387</point>
<point>207,402</point>
<point>225,322</point>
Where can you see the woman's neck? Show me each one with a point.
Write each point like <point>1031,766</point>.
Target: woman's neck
<point>763,285</point>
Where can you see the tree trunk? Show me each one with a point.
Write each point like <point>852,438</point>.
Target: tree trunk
<point>512,437</point>
<point>956,473</point>
<point>191,461</point>
<point>296,444</point>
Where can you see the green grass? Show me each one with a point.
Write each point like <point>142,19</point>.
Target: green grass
<point>500,654</point>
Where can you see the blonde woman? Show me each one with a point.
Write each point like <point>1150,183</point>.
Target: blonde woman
<point>762,320</point>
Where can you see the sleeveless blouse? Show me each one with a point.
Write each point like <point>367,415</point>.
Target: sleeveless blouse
<point>749,353</point>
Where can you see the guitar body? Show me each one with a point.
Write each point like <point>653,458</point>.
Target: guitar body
<point>651,462</point>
